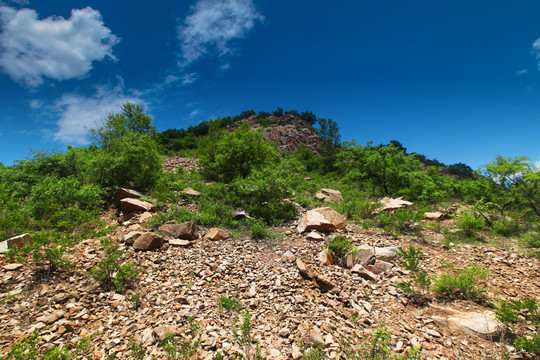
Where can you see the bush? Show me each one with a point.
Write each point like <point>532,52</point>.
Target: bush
<point>110,272</point>
<point>462,284</point>
<point>469,224</point>
<point>340,246</point>
<point>411,257</point>
<point>229,304</point>
<point>505,227</point>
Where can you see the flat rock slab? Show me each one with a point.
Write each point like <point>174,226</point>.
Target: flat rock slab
<point>190,191</point>
<point>363,255</point>
<point>136,205</point>
<point>329,195</point>
<point>321,219</point>
<point>389,204</point>
<point>187,230</point>
<point>123,193</point>
<point>11,267</point>
<point>15,242</point>
<point>179,242</point>
<point>148,241</point>
<point>483,324</point>
<point>315,236</point>
<point>433,215</point>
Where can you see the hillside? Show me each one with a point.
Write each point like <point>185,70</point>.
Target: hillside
<point>327,250</point>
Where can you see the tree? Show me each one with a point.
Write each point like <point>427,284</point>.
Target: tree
<point>330,141</point>
<point>519,179</point>
<point>132,119</point>
<point>309,117</point>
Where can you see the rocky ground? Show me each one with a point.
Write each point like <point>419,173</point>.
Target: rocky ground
<point>287,310</point>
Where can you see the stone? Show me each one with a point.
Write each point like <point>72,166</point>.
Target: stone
<point>191,192</point>
<point>363,255</point>
<point>314,337</point>
<point>315,236</point>
<point>379,267</point>
<point>130,204</point>
<point>321,219</point>
<point>288,256</point>
<point>241,215</point>
<point>324,283</point>
<point>433,215</point>
<point>148,241</point>
<point>179,242</point>
<point>145,216</point>
<point>51,317</point>
<point>304,270</point>
<point>483,324</point>
<point>131,236</point>
<point>123,193</point>
<point>11,267</point>
<point>388,253</point>
<point>187,230</point>
<point>329,195</point>
<point>389,204</point>
<point>217,234</point>
<point>364,273</point>
<point>15,242</point>
<point>148,337</point>
<point>163,330</point>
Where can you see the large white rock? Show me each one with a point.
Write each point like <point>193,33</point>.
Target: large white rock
<point>392,204</point>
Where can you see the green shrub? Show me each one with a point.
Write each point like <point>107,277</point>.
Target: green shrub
<point>411,257</point>
<point>529,344</point>
<point>469,224</point>
<point>462,284</point>
<point>505,227</point>
<point>246,339</point>
<point>185,348</point>
<point>110,272</point>
<point>340,246</point>
<point>258,230</point>
<point>229,304</point>
<point>28,349</point>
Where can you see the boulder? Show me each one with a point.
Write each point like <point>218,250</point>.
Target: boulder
<point>148,241</point>
<point>388,253</point>
<point>187,230</point>
<point>130,204</point>
<point>321,219</point>
<point>217,234</point>
<point>241,215</point>
<point>123,193</point>
<point>363,272</point>
<point>145,216</point>
<point>483,324</point>
<point>131,236</point>
<point>315,236</point>
<point>15,242</point>
<point>389,204</point>
<point>329,195</point>
<point>363,255</point>
<point>304,270</point>
<point>379,267</point>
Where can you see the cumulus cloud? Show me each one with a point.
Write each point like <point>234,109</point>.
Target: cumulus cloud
<point>79,113</point>
<point>56,48</point>
<point>214,23</point>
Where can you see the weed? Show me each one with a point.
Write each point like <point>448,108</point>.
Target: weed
<point>340,246</point>
<point>462,284</point>
<point>28,349</point>
<point>229,304</point>
<point>246,339</point>
<point>258,230</point>
<point>469,224</point>
<point>136,299</point>
<point>411,257</point>
<point>138,351</point>
<point>185,348</point>
<point>529,344</point>
<point>315,352</point>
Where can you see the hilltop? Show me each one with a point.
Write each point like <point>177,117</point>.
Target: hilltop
<point>263,236</point>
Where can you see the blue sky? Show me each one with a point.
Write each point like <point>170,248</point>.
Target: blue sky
<point>456,81</point>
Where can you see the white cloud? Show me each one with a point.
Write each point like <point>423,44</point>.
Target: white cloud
<point>537,164</point>
<point>78,113</point>
<point>214,23</point>
<point>522,72</point>
<point>189,78</point>
<point>18,2</point>
<point>56,48</point>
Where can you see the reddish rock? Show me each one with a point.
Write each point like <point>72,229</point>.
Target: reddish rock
<point>321,219</point>
<point>15,242</point>
<point>123,193</point>
<point>187,230</point>
<point>130,204</point>
<point>217,234</point>
<point>148,241</point>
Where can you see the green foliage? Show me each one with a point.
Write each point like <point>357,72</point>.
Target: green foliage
<point>330,142</point>
<point>246,339</point>
<point>136,299</point>
<point>469,224</point>
<point>512,311</point>
<point>411,257</point>
<point>110,272</point>
<point>506,227</point>
<point>28,349</point>
<point>529,344</point>
<point>185,348</point>
<point>340,246</point>
<point>138,351</point>
<point>258,230</point>
<point>229,304</point>
<point>462,284</point>
<point>377,347</point>
<point>396,223</point>
<point>237,154</point>
<point>315,352</point>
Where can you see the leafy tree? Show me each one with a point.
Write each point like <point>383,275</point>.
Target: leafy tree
<point>519,179</point>
<point>237,154</point>
<point>278,112</point>
<point>330,141</point>
<point>309,117</point>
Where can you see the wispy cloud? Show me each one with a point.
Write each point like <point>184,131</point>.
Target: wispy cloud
<point>78,114</point>
<point>213,24</point>
<point>522,72</point>
<point>189,78</point>
<point>55,48</point>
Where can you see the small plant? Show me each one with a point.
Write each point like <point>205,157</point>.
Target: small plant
<point>340,246</point>
<point>525,310</point>
<point>528,344</point>
<point>246,339</point>
<point>469,224</point>
<point>138,351</point>
<point>377,347</point>
<point>229,304</point>
<point>258,230</point>
<point>411,257</point>
<point>505,227</point>
<point>136,299</point>
<point>28,349</point>
<point>110,272</point>
<point>185,348</point>
<point>315,352</point>
<point>462,284</point>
